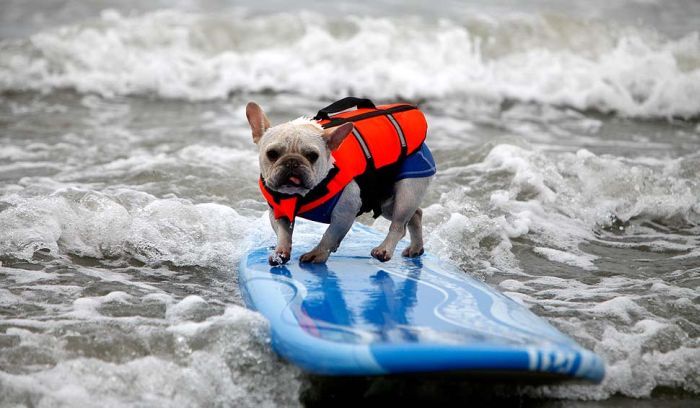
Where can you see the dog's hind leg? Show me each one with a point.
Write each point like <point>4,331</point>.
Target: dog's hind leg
<point>408,194</point>
<point>415,230</point>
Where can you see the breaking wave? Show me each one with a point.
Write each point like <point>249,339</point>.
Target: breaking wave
<point>544,59</point>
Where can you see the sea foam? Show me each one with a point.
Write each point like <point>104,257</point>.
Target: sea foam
<point>172,54</point>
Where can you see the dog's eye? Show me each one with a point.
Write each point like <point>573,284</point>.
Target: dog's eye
<point>311,156</point>
<point>273,154</point>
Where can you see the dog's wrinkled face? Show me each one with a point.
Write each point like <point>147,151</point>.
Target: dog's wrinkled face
<point>294,156</point>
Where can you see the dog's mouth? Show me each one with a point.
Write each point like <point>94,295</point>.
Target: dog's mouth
<point>293,181</point>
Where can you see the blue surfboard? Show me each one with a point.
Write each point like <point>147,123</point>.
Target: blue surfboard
<point>357,316</point>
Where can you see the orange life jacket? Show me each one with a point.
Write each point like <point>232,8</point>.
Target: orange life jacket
<point>382,138</point>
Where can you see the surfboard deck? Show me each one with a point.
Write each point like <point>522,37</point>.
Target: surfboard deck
<point>358,316</point>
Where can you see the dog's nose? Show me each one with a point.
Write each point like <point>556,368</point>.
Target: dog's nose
<point>292,163</point>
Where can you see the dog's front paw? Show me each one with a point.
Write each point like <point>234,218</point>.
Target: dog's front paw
<point>316,255</point>
<point>411,252</point>
<point>280,257</point>
<point>381,254</point>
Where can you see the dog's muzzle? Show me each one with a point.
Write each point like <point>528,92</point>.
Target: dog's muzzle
<point>293,172</point>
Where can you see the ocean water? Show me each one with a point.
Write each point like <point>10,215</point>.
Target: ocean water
<point>567,137</point>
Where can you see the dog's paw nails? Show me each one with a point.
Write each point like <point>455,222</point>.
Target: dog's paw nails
<point>381,254</point>
<point>411,252</point>
<point>315,256</point>
<point>279,258</point>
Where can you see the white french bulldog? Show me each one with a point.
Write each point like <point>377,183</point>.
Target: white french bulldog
<point>295,156</point>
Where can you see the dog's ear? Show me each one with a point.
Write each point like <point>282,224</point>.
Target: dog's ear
<point>335,136</point>
<point>257,120</point>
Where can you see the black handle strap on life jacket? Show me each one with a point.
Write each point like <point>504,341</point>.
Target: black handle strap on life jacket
<point>343,104</point>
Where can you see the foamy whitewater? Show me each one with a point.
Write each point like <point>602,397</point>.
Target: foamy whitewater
<point>567,141</point>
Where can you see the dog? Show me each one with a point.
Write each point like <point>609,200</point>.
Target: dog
<point>296,156</point>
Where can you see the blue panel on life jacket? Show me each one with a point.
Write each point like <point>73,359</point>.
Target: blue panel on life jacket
<point>323,212</point>
<point>418,164</point>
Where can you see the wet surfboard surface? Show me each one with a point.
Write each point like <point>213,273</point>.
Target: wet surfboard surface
<point>357,316</point>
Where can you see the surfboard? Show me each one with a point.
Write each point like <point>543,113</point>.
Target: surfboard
<point>357,316</point>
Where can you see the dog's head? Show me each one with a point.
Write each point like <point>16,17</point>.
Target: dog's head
<point>294,156</point>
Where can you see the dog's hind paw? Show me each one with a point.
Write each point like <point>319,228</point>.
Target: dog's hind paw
<point>411,252</point>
